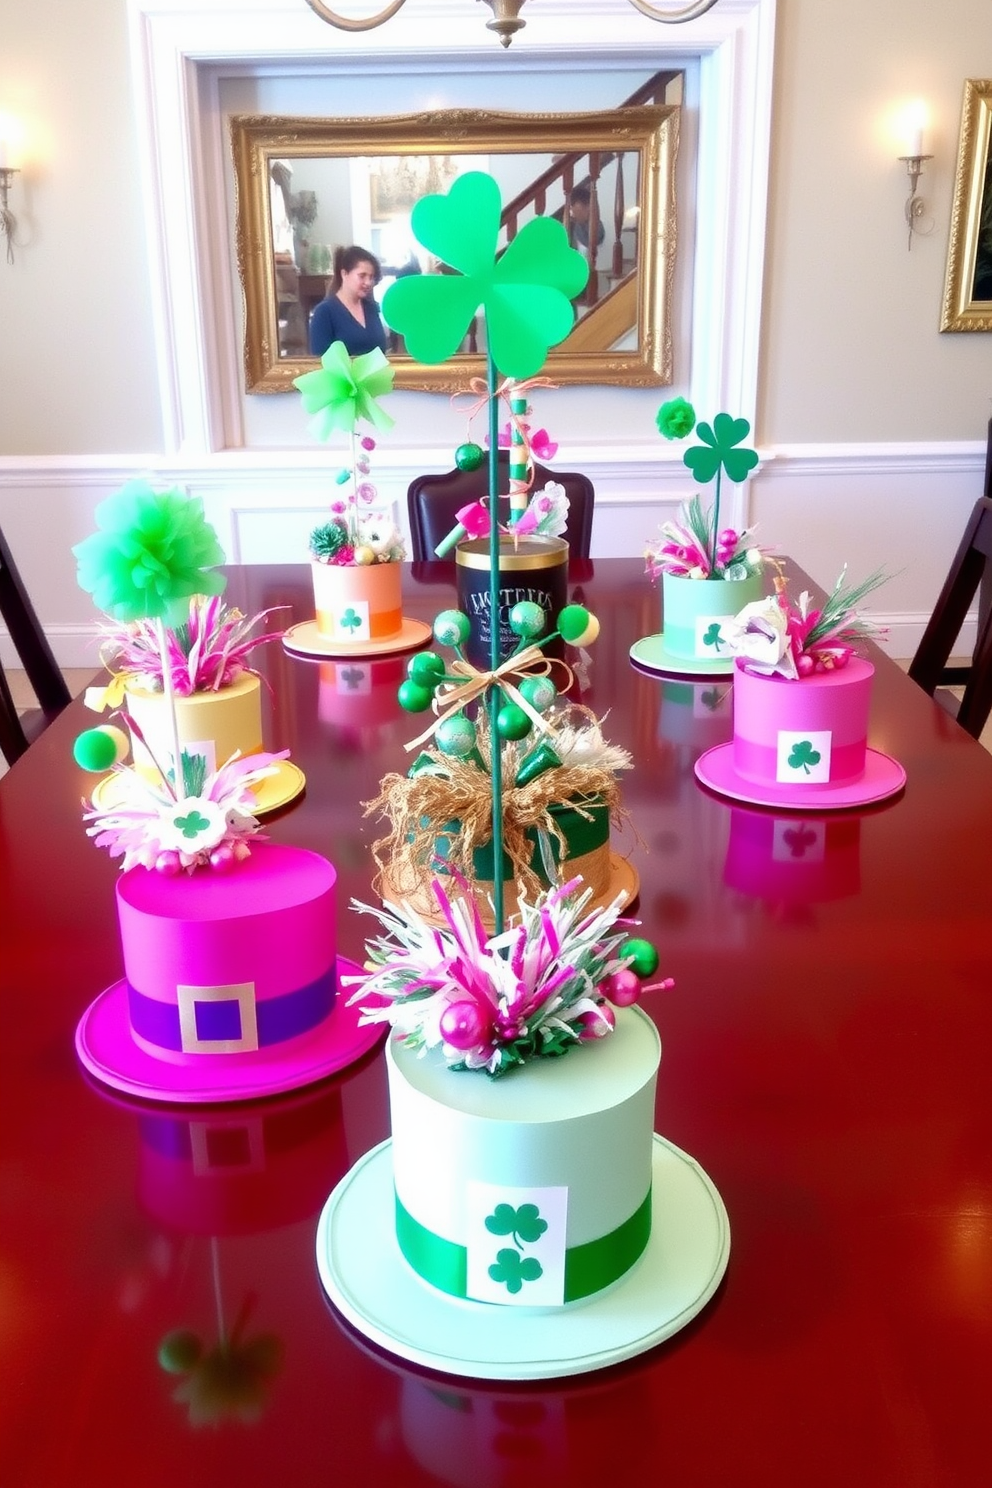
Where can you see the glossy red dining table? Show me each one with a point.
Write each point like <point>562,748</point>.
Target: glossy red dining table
<point>827,1049</point>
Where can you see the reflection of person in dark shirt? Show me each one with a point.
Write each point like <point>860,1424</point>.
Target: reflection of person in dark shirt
<point>350,313</point>
<point>579,213</point>
<point>982,286</point>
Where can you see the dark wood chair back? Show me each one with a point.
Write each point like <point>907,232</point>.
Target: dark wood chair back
<point>970,572</point>
<point>433,500</point>
<point>30,643</point>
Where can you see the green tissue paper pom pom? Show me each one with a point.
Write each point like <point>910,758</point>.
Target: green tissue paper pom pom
<point>527,619</point>
<point>676,418</point>
<point>327,540</point>
<point>414,698</point>
<point>426,667</point>
<point>452,628</point>
<point>640,955</point>
<point>100,748</point>
<point>179,1351</point>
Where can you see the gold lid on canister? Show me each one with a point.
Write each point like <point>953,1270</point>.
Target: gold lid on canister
<point>525,553</point>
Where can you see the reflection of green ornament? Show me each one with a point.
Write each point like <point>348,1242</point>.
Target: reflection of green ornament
<point>469,456</point>
<point>179,1351</point>
<point>640,955</point>
<point>426,667</point>
<point>413,697</point>
<point>540,692</point>
<point>527,619</point>
<point>512,722</point>
<point>456,735</point>
<point>452,628</point>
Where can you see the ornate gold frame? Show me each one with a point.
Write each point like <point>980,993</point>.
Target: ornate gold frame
<point>652,130</point>
<point>971,214</point>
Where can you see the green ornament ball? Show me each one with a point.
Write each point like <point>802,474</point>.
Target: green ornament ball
<point>577,625</point>
<point>426,667</point>
<point>100,748</point>
<point>179,1351</point>
<point>469,456</point>
<point>414,698</point>
<point>640,955</point>
<point>540,692</point>
<point>456,736</point>
<point>527,619</point>
<point>452,628</point>
<point>512,722</point>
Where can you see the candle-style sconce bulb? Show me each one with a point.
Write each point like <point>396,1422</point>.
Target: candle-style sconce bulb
<point>8,222</point>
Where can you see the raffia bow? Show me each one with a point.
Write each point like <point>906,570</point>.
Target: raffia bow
<point>452,697</point>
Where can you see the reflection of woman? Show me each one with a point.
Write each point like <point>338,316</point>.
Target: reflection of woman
<point>350,313</point>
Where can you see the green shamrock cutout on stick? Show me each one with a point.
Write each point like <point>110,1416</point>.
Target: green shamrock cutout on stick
<point>526,292</point>
<point>718,450</point>
<point>524,1224</point>
<point>513,1269</point>
<point>803,756</point>
<point>345,389</point>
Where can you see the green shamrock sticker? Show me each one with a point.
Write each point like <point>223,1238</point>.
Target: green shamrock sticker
<point>526,292</point>
<point>803,756</point>
<point>513,1270</point>
<point>524,1224</point>
<point>349,620</point>
<point>713,636</point>
<point>192,825</point>
<point>718,450</point>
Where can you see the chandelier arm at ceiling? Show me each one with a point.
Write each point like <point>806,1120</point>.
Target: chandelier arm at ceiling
<point>673,17</point>
<point>369,24</point>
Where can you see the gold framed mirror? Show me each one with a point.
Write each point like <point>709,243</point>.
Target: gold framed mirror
<point>968,288</point>
<point>305,186</point>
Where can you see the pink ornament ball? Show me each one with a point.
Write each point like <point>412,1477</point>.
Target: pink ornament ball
<point>222,858</point>
<point>622,988</point>
<point>168,864</point>
<point>462,1025</point>
<point>596,1025</point>
<point>805,664</point>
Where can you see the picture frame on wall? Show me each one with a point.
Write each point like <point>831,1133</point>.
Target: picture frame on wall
<point>968,287</point>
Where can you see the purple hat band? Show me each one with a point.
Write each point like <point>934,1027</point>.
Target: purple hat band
<point>206,1021</point>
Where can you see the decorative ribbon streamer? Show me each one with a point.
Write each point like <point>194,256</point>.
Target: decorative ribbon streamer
<point>451,697</point>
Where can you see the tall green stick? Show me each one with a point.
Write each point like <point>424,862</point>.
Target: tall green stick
<point>494,693</point>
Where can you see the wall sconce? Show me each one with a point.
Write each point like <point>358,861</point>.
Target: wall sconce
<point>914,123</point>
<point>8,222</point>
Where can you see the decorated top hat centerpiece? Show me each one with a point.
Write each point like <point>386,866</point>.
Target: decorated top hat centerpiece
<point>200,677</point>
<point>522,1171</point>
<point>356,555</point>
<point>231,970</point>
<point>802,700</point>
<point>707,572</point>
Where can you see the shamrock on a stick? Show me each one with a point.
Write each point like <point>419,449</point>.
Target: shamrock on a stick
<point>718,453</point>
<point>526,292</point>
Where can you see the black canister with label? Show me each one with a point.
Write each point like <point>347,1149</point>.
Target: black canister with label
<point>533,568</point>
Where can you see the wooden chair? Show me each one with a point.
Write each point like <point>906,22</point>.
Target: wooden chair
<point>971,569</point>
<point>47,682</point>
<point>433,500</point>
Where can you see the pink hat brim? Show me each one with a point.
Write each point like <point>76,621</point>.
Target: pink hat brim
<point>107,1050</point>
<point>883,777</point>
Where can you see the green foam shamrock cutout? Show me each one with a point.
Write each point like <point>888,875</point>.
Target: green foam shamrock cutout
<point>153,550</point>
<point>718,449</point>
<point>526,292</point>
<point>345,389</point>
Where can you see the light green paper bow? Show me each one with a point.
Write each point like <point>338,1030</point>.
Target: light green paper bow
<point>345,389</point>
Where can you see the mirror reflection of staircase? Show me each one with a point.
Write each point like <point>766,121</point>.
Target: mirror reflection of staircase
<point>607,309</point>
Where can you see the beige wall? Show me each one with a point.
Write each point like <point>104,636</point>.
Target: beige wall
<point>851,351</point>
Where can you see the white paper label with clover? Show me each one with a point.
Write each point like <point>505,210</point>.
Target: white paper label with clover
<point>803,758</point>
<point>516,1244</point>
<point>709,639</point>
<point>351,621</point>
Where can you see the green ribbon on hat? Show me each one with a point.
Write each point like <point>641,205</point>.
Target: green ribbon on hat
<point>588,1268</point>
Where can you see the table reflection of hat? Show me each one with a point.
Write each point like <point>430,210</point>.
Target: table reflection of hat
<point>360,693</point>
<point>793,859</point>
<point>242,1169</point>
<point>696,714</point>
